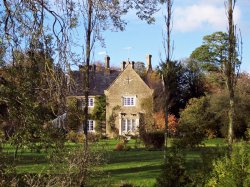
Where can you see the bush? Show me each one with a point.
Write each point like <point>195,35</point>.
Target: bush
<point>92,137</point>
<point>153,140</point>
<point>71,136</point>
<point>173,171</point>
<point>232,170</point>
<point>119,147</point>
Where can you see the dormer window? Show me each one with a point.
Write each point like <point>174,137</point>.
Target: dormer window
<point>128,101</point>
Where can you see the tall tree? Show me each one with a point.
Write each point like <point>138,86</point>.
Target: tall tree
<point>231,67</point>
<point>168,69</point>
<point>213,52</point>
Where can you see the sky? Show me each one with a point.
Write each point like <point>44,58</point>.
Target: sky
<point>192,19</point>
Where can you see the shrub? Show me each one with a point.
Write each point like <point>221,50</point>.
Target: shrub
<point>195,119</point>
<point>234,170</point>
<point>119,147</point>
<point>80,137</point>
<point>71,136</point>
<point>153,139</point>
<point>92,137</point>
<point>173,171</point>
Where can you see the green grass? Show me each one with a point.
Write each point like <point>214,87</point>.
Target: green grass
<point>136,166</point>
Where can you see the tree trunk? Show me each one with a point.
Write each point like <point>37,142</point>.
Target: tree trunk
<point>230,73</point>
<point>168,22</point>
<point>166,132</point>
<point>168,25</point>
<point>86,76</point>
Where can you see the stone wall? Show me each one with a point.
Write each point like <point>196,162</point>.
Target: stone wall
<point>128,83</point>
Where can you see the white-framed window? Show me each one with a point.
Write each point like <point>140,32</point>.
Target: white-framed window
<point>128,101</point>
<point>91,126</point>
<point>128,126</point>
<point>91,102</point>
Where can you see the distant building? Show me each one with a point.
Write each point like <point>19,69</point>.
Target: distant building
<point>125,91</point>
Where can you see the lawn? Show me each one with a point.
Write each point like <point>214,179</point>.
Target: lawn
<point>137,166</point>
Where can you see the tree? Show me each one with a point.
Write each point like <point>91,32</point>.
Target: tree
<point>220,106</point>
<point>194,85</point>
<point>231,68</point>
<point>167,70</point>
<point>213,52</point>
<point>99,113</point>
<point>140,69</point>
<point>172,76</point>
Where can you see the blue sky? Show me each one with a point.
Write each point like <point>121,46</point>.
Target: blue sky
<point>192,19</point>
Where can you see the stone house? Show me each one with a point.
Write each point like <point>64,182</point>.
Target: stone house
<point>125,92</point>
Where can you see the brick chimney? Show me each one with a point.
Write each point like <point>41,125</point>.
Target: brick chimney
<point>149,64</point>
<point>123,65</point>
<point>133,64</point>
<point>107,64</point>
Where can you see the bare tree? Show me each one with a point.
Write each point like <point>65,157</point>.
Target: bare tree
<point>231,69</point>
<point>169,69</point>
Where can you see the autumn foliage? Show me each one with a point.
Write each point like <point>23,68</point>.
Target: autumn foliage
<point>159,118</point>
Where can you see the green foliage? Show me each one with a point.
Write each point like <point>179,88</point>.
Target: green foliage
<point>99,113</point>
<point>194,80</point>
<point>153,140</point>
<point>147,121</point>
<point>173,171</point>
<point>232,170</point>
<point>195,120</point>
<point>140,69</point>
<point>112,118</point>
<point>213,52</point>
<point>219,106</point>
<point>171,72</point>
<point>74,113</point>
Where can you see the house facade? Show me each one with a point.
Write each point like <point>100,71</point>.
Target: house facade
<point>124,99</point>
<point>125,91</point>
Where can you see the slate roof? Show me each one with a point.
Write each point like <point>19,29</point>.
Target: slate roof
<point>99,81</point>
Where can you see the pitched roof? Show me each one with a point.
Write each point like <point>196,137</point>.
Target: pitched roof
<point>99,81</point>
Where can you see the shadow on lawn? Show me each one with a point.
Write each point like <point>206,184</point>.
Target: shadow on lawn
<point>131,170</point>
<point>116,157</point>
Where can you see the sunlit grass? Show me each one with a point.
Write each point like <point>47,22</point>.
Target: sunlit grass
<point>137,166</point>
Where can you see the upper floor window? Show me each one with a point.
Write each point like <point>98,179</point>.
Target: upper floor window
<point>91,102</point>
<point>81,103</point>
<point>128,101</point>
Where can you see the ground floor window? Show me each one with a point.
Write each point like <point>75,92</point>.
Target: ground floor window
<point>128,126</point>
<point>91,125</point>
